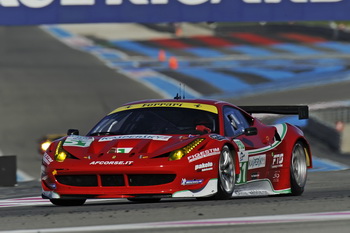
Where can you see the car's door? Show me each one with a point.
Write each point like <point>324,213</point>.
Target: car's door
<point>253,164</point>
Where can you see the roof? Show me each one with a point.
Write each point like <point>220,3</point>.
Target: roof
<point>201,104</point>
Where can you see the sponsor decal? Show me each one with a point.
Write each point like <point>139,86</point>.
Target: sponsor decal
<point>240,144</point>
<point>276,176</point>
<point>148,105</point>
<point>204,107</point>
<point>136,136</point>
<point>251,193</point>
<point>124,150</point>
<point>257,161</point>
<point>111,163</point>
<point>255,176</point>
<point>293,1</point>
<point>45,3</point>
<point>243,162</point>
<point>203,154</point>
<point>204,167</point>
<point>277,160</point>
<point>242,176</point>
<point>191,182</point>
<point>217,137</point>
<point>47,159</point>
<point>243,156</point>
<point>78,141</point>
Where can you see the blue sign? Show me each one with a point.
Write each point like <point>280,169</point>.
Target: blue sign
<point>26,12</point>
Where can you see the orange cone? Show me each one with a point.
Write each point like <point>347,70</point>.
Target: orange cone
<point>161,55</point>
<point>173,64</point>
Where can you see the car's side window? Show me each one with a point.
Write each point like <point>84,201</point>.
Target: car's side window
<point>235,122</point>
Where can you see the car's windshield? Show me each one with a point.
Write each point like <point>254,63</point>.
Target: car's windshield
<point>156,121</point>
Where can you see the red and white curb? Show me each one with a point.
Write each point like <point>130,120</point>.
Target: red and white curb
<point>35,201</point>
<point>26,201</point>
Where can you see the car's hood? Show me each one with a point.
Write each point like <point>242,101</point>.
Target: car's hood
<point>105,146</point>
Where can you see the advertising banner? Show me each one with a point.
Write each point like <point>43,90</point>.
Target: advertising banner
<point>27,12</point>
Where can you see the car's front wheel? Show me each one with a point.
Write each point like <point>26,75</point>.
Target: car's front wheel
<point>227,175</point>
<point>68,202</point>
<point>298,169</point>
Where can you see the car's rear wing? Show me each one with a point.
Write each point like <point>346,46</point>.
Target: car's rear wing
<point>301,110</point>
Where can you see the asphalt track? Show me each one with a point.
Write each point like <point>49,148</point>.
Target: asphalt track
<point>48,87</point>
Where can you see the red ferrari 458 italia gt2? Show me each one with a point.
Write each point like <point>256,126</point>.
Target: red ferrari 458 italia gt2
<point>153,149</point>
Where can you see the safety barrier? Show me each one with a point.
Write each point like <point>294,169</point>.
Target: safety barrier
<point>8,168</point>
<point>330,123</point>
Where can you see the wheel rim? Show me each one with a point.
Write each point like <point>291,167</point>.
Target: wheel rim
<point>227,171</point>
<point>299,168</point>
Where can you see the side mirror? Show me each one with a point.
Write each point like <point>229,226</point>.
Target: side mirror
<point>73,132</point>
<point>250,131</point>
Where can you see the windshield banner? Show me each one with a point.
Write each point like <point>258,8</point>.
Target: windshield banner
<point>23,12</point>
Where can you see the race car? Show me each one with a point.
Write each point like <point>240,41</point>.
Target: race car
<point>206,149</point>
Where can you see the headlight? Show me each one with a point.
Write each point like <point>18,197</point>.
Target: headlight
<point>60,157</point>
<point>178,154</point>
<point>60,154</point>
<point>45,145</point>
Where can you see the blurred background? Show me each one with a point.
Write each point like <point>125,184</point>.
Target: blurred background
<point>57,77</point>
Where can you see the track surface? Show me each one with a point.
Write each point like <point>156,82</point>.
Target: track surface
<point>48,87</point>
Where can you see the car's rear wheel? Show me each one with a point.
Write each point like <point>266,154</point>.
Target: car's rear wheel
<point>227,175</point>
<point>68,202</point>
<point>298,169</point>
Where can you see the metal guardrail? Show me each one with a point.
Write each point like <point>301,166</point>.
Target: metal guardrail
<point>330,123</point>
<point>332,113</point>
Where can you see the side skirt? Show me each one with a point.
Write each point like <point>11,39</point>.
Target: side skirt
<point>257,188</point>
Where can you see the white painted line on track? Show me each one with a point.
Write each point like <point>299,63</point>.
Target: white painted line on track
<point>27,201</point>
<point>272,219</point>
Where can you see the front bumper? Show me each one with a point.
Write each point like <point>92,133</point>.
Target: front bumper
<point>171,179</point>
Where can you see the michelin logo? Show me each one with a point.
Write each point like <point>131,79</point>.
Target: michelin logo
<point>191,182</point>
<point>45,3</point>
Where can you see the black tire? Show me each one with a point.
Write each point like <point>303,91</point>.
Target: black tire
<point>298,169</point>
<point>144,200</point>
<point>226,176</point>
<point>68,202</point>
